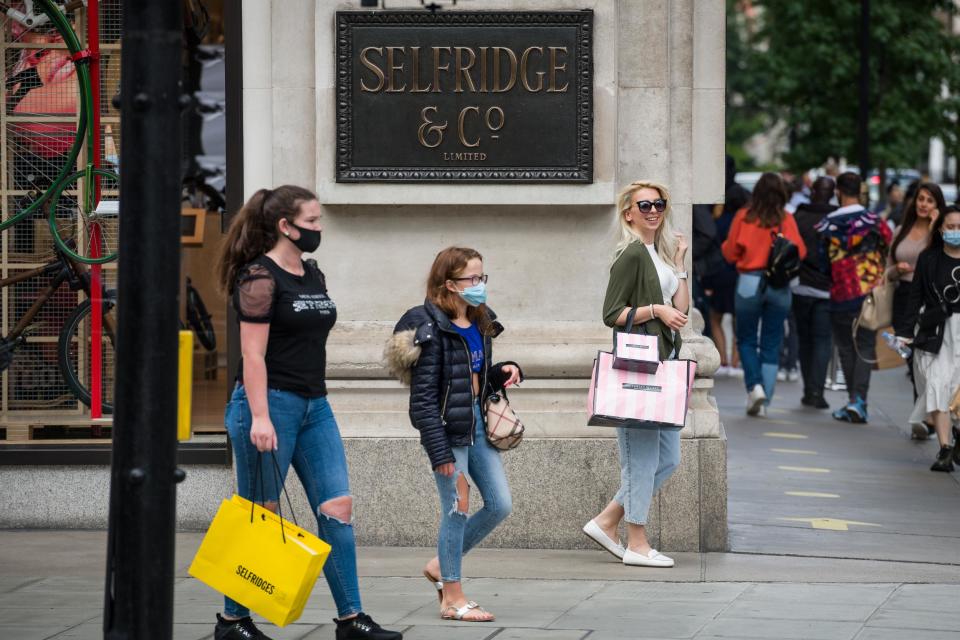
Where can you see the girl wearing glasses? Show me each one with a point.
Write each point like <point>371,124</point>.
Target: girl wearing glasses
<point>933,322</point>
<point>647,275</point>
<point>278,415</point>
<point>444,350</point>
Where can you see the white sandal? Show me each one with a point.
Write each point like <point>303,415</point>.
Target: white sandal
<point>458,614</point>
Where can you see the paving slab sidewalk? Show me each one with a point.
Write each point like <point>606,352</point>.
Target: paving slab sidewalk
<point>536,594</point>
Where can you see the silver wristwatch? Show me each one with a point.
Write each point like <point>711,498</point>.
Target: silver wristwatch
<point>682,275</point>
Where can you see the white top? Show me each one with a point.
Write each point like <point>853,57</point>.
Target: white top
<point>669,283</point>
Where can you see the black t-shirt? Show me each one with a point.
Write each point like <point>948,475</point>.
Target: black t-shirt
<point>948,282</point>
<point>300,314</point>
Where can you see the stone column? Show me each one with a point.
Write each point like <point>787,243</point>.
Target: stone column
<point>658,114</point>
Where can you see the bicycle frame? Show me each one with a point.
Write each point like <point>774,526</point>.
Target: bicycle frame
<point>66,270</point>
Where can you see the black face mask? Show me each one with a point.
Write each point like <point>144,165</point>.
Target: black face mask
<point>309,239</point>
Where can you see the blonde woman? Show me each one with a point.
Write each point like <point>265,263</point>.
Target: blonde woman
<point>647,275</point>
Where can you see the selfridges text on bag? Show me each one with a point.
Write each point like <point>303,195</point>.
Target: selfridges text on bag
<point>636,399</point>
<point>262,561</point>
<point>635,351</point>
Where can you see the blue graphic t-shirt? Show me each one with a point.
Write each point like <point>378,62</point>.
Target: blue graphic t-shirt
<point>475,344</point>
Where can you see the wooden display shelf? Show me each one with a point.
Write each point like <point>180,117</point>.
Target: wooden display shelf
<point>24,428</point>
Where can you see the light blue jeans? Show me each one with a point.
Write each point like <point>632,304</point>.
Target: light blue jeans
<point>647,458</point>
<point>760,313</point>
<point>308,438</point>
<point>481,466</point>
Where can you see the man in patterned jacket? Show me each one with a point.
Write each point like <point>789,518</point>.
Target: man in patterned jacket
<point>856,242</point>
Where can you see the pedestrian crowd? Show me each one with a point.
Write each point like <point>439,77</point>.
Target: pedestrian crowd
<point>765,257</point>
<point>850,267</point>
<point>279,416</point>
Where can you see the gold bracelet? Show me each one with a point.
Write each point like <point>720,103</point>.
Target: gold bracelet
<point>653,314</point>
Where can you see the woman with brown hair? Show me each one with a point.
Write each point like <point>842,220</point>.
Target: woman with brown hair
<point>909,241</point>
<point>759,307</point>
<point>279,405</point>
<point>444,350</point>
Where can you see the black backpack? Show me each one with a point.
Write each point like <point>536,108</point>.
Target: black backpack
<point>783,265</point>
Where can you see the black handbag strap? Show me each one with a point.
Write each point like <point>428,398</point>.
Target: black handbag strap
<point>263,494</point>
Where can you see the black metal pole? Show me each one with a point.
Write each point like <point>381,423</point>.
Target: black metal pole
<point>863,115</point>
<point>140,554</point>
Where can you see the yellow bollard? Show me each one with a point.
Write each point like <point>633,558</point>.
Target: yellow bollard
<point>185,386</point>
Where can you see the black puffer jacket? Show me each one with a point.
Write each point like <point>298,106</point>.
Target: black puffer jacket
<point>426,347</point>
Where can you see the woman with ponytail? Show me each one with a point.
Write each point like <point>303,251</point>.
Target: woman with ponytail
<point>279,405</point>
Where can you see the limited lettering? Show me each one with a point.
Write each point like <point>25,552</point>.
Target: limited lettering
<point>464,155</point>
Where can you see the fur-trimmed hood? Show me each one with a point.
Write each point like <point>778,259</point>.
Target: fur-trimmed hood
<point>418,325</point>
<point>400,353</point>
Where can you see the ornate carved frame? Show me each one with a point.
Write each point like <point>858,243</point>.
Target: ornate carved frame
<point>582,172</point>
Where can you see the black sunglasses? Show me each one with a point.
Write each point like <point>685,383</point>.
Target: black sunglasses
<point>645,205</point>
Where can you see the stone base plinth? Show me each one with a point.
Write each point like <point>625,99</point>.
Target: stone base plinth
<point>558,484</point>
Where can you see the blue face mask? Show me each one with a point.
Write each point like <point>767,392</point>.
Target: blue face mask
<point>952,237</point>
<point>475,295</point>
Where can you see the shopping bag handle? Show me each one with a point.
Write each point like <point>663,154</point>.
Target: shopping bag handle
<point>263,493</point>
<point>628,328</point>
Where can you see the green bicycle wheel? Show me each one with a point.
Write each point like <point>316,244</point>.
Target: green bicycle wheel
<point>79,218</point>
<point>47,109</point>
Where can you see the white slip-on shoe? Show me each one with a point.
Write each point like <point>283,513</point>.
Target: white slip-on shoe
<point>652,559</point>
<point>755,400</point>
<point>595,533</point>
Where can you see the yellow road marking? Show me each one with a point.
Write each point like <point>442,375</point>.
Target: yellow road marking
<point>777,421</point>
<point>806,452</point>
<point>788,436</point>
<point>780,411</point>
<point>811,494</point>
<point>805,469</point>
<point>831,524</point>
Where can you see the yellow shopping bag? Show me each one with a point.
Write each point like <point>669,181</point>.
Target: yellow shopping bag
<point>266,563</point>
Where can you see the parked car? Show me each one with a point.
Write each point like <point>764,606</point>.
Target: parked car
<point>949,193</point>
<point>748,179</point>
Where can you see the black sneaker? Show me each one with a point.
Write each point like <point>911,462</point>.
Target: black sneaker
<point>242,629</point>
<point>956,445</point>
<point>944,463</point>
<point>814,401</point>
<point>364,628</point>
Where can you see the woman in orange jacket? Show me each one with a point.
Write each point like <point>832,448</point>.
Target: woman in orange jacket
<point>758,307</point>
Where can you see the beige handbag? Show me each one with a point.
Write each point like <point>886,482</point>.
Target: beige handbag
<point>504,429</point>
<point>955,403</point>
<point>877,310</point>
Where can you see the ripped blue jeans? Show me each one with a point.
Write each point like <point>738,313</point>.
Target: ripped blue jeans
<point>482,468</point>
<point>309,439</point>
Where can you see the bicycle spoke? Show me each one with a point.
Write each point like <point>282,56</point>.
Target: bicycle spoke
<point>76,224</point>
<point>74,353</point>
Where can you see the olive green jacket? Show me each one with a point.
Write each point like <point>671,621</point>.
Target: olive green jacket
<point>634,283</point>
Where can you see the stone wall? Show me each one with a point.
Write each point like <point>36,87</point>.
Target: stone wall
<point>659,114</point>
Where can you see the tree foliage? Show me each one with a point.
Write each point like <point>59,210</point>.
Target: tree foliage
<point>799,62</point>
